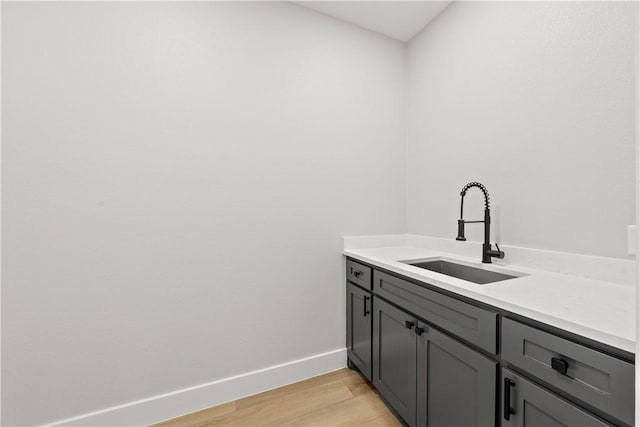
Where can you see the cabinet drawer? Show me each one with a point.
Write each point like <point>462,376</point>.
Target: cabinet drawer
<point>473,324</point>
<point>359,274</point>
<point>533,405</point>
<point>602,381</point>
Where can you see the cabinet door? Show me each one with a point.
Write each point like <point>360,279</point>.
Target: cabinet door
<point>359,317</point>
<point>525,404</point>
<point>456,385</point>
<point>394,358</point>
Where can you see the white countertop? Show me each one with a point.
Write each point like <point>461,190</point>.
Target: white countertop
<point>595,309</point>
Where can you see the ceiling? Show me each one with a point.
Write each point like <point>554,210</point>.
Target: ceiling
<point>400,20</point>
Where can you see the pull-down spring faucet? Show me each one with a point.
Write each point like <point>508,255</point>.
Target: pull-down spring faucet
<point>487,252</point>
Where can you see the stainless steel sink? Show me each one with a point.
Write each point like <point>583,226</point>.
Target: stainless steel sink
<point>461,271</point>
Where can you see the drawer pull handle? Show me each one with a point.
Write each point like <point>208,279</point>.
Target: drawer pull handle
<point>409,324</point>
<point>357,274</point>
<point>559,365</point>
<point>366,312</point>
<point>507,410</point>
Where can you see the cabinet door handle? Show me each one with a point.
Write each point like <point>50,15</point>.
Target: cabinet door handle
<point>418,330</point>
<point>559,365</point>
<point>409,324</point>
<point>507,410</point>
<point>366,312</point>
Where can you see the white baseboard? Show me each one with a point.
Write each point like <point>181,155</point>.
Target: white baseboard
<point>181,402</point>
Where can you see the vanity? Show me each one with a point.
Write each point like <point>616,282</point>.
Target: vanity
<point>446,351</point>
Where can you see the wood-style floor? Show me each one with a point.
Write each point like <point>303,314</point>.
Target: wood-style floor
<point>339,398</point>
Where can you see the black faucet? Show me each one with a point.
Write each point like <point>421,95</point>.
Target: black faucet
<point>487,252</point>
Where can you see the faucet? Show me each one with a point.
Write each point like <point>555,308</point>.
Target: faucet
<point>487,252</point>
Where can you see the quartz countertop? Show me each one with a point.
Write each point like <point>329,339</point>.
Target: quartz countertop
<point>595,309</point>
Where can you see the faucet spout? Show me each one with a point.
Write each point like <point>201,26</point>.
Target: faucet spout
<point>487,252</point>
<point>482,188</point>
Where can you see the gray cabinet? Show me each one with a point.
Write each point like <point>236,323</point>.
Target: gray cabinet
<point>525,404</point>
<point>447,374</point>
<point>599,380</point>
<point>429,378</point>
<point>394,358</point>
<point>359,323</point>
<point>456,385</point>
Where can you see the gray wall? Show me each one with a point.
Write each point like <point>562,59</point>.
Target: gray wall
<point>176,182</point>
<point>536,101</point>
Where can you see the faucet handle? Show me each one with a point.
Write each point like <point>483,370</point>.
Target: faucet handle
<point>500,253</point>
<point>461,231</point>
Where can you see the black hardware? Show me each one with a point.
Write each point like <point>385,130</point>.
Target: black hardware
<point>409,324</point>
<point>357,273</point>
<point>461,231</point>
<point>507,410</point>
<point>559,365</point>
<point>487,252</point>
<point>365,306</point>
<point>418,330</point>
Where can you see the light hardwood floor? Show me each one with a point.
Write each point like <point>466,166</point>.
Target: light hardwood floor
<point>339,398</point>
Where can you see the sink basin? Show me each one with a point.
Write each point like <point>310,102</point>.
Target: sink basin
<point>460,271</point>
